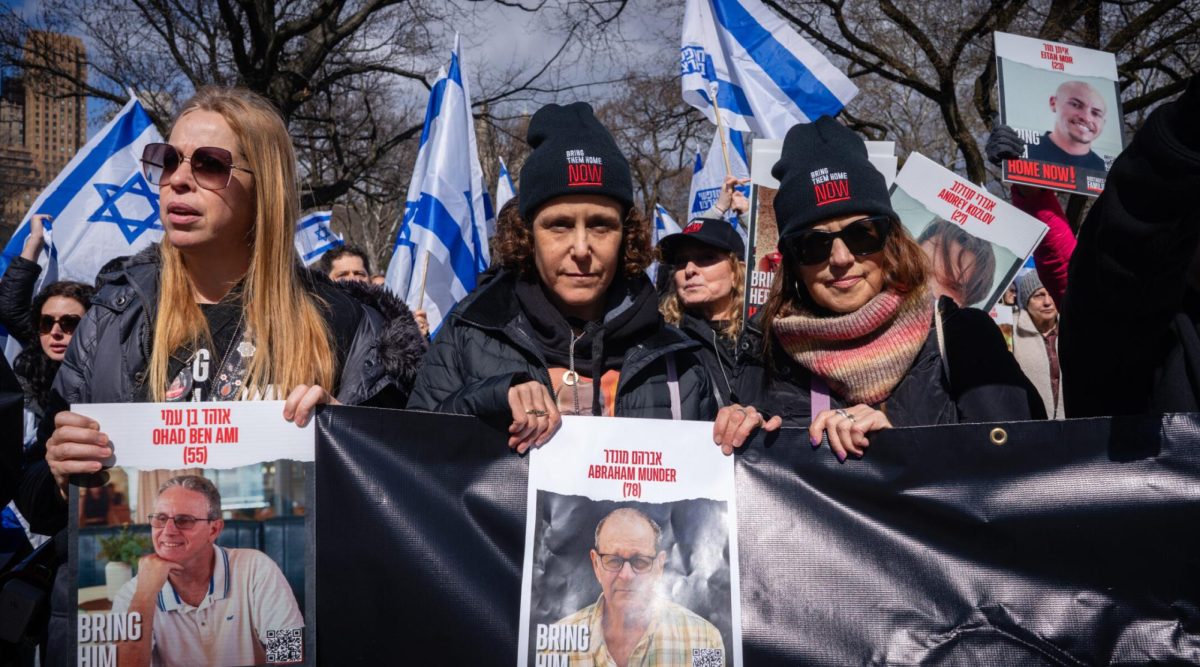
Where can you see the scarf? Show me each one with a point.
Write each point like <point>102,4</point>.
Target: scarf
<point>861,355</point>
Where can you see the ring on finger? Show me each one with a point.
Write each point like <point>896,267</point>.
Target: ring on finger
<point>536,412</point>
<point>843,413</point>
<point>743,411</point>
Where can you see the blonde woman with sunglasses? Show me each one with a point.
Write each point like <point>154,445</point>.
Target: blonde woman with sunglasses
<point>220,310</point>
<point>852,339</point>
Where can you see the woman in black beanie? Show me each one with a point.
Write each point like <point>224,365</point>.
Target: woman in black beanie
<point>851,339</point>
<point>570,324</point>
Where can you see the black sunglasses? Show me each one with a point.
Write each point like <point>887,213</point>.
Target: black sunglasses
<point>212,167</point>
<point>67,323</point>
<point>862,237</point>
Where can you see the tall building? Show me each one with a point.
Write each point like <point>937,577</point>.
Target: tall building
<point>43,120</point>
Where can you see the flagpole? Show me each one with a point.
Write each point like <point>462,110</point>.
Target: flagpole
<point>424,275</point>
<point>721,130</point>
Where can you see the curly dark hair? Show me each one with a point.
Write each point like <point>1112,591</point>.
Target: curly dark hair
<point>512,245</point>
<point>326,261</point>
<point>35,369</point>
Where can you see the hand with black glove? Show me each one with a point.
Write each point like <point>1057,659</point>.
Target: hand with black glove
<point>1003,144</point>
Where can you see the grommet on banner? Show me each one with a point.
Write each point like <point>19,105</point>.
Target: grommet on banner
<point>998,436</point>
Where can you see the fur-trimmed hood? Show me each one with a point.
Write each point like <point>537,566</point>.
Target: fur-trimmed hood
<point>401,344</point>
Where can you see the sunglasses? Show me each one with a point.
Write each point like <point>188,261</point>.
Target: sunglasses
<point>212,167</point>
<point>862,237</point>
<point>67,323</point>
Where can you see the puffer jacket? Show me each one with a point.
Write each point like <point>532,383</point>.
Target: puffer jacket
<point>16,295</point>
<point>16,298</point>
<point>109,355</point>
<point>486,346</point>
<point>717,354</point>
<point>985,383</point>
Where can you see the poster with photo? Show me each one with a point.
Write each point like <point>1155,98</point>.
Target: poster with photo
<point>194,545</point>
<point>1065,103</point>
<point>630,547</point>
<point>975,241</point>
<point>762,251</point>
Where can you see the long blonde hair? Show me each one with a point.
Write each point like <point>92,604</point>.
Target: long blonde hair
<point>292,342</point>
<point>672,308</point>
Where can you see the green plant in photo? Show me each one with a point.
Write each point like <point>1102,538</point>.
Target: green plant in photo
<point>125,547</point>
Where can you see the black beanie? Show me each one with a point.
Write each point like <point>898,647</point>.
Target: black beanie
<point>823,173</point>
<point>572,155</point>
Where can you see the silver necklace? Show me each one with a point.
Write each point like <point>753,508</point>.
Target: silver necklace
<point>571,378</point>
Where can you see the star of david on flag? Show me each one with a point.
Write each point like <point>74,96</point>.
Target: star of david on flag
<point>101,207</point>
<point>118,196</point>
<point>314,237</point>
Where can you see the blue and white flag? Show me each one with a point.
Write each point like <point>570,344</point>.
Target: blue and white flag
<point>442,244</point>
<point>504,187</point>
<point>314,237</point>
<point>766,76</point>
<point>101,206</point>
<point>664,225</point>
<point>709,175</point>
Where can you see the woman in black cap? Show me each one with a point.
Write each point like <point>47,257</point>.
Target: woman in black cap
<point>704,294</point>
<point>570,324</point>
<point>851,339</point>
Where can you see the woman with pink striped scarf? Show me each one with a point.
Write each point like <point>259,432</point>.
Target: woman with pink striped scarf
<point>852,339</point>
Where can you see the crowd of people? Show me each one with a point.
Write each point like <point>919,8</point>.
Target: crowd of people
<point>857,334</point>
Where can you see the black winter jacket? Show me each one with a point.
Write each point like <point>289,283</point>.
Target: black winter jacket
<point>16,314</point>
<point>486,346</point>
<point>1130,331</point>
<point>16,297</point>
<point>717,354</point>
<point>109,355</point>
<point>985,383</point>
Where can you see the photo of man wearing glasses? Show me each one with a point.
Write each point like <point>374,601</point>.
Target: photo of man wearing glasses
<point>200,603</point>
<point>631,623</point>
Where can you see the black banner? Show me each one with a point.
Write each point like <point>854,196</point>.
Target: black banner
<point>1069,543</point>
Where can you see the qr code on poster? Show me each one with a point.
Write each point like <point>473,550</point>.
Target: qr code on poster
<point>285,646</point>
<point>708,657</point>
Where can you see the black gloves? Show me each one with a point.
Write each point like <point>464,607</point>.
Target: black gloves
<point>1003,144</point>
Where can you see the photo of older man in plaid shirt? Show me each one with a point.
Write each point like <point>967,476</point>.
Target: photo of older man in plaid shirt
<point>631,624</point>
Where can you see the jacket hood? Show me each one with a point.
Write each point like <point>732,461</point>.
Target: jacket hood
<point>401,345</point>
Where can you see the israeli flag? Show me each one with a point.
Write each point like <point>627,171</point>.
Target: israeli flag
<point>765,76</point>
<point>664,225</point>
<point>101,206</point>
<point>442,244</point>
<point>314,237</point>
<point>709,175</point>
<point>504,187</point>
